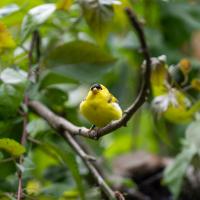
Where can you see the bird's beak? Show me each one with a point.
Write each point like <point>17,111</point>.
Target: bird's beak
<point>94,90</point>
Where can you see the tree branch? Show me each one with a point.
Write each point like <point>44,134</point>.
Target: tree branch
<point>89,162</point>
<point>21,158</point>
<point>60,123</point>
<point>68,130</point>
<point>90,165</point>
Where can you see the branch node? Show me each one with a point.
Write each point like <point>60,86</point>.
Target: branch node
<point>60,127</point>
<point>125,112</point>
<point>90,158</point>
<point>79,131</point>
<point>93,133</point>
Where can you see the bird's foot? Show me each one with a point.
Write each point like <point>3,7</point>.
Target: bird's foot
<point>92,127</point>
<point>93,132</point>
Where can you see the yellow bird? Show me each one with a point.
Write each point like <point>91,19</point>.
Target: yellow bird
<point>100,107</point>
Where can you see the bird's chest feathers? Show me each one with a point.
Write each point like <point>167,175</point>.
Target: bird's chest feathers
<point>97,102</point>
<point>100,108</point>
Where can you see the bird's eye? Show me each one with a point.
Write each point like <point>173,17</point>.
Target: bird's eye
<point>97,86</point>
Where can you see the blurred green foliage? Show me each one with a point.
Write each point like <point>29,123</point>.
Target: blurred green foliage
<point>83,42</point>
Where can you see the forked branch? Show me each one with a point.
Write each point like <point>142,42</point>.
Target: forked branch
<point>61,123</point>
<point>67,130</point>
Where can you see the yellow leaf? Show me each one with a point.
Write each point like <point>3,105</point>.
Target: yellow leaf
<point>12,147</point>
<point>4,198</point>
<point>159,76</point>
<point>120,17</point>
<point>6,40</point>
<point>184,66</point>
<point>196,84</point>
<point>33,187</point>
<point>64,4</point>
<point>176,107</point>
<point>71,194</point>
<point>170,102</point>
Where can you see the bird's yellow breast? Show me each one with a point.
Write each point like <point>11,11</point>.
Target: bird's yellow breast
<point>101,108</point>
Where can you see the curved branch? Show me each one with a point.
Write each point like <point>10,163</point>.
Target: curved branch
<point>68,130</point>
<point>144,91</point>
<point>60,123</point>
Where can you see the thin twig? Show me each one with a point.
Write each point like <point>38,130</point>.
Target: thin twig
<point>7,160</point>
<point>35,46</point>
<point>35,43</point>
<point>97,176</point>
<point>68,129</point>
<point>84,154</point>
<point>60,123</point>
<point>87,159</point>
<point>23,141</point>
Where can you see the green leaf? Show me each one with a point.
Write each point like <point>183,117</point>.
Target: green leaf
<point>37,126</point>
<point>11,91</point>
<point>71,194</point>
<point>141,141</point>
<point>78,52</point>
<point>80,60</point>
<point>119,145</point>
<point>10,126</point>
<point>51,78</point>
<point>12,147</point>
<point>1,156</point>
<point>9,9</point>
<point>99,15</point>
<point>70,160</point>
<point>174,173</point>
<point>43,157</point>
<point>35,17</point>
<point>87,73</point>
<point>176,18</point>
<point>64,157</point>
<point>11,76</point>
<point>6,39</point>
<point>10,100</point>
<point>55,97</point>
<point>192,134</point>
<point>7,169</point>
<point>187,13</point>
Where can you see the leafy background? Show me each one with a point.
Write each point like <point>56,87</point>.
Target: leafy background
<point>83,42</point>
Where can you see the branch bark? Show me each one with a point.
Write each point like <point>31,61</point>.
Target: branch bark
<point>90,165</point>
<point>68,130</point>
<point>61,123</point>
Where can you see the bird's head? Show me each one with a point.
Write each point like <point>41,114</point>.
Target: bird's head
<point>95,88</point>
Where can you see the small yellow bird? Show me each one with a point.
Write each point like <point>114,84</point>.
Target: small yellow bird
<point>100,107</point>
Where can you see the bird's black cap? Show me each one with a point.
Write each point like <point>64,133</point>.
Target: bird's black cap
<point>97,86</point>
